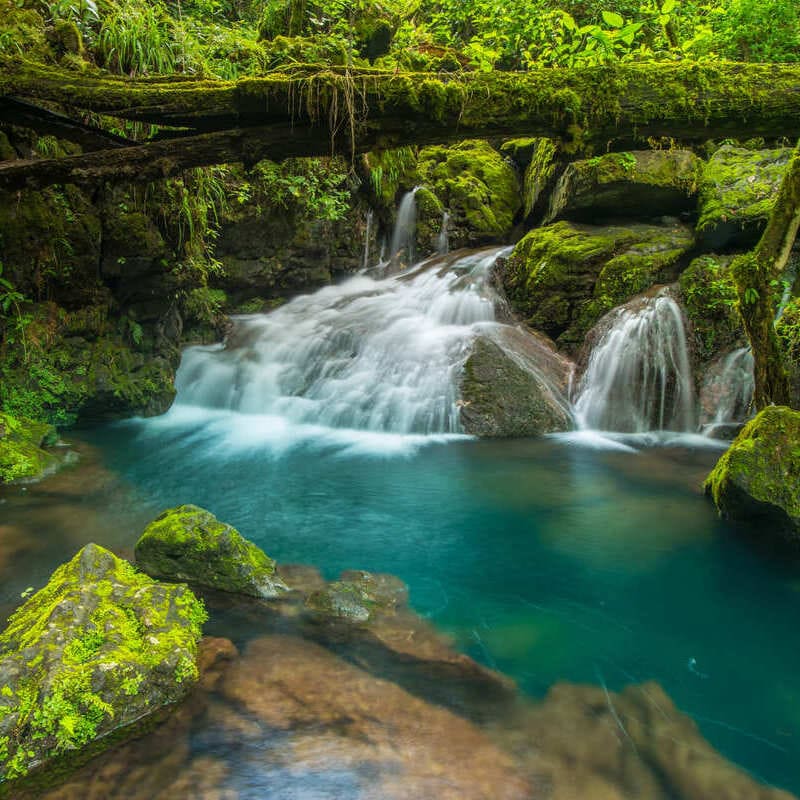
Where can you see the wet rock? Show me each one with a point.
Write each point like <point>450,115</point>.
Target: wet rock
<point>393,744</point>
<point>477,186</point>
<point>643,184</point>
<point>708,295</point>
<point>100,648</point>
<point>357,596</point>
<point>187,543</point>
<point>562,278</point>
<point>737,194</point>
<point>514,386</point>
<point>591,743</point>
<point>22,457</point>
<point>758,478</point>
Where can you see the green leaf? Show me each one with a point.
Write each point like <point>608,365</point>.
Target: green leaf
<point>568,22</point>
<point>668,6</point>
<point>613,19</point>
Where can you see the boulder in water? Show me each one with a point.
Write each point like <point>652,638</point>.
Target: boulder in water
<point>643,184</point>
<point>188,543</point>
<point>562,278</point>
<point>21,455</point>
<point>514,385</point>
<point>737,194</point>
<point>758,478</point>
<point>96,650</point>
<point>357,596</point>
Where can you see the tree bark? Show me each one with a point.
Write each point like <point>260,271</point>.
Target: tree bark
<point>755,273</point>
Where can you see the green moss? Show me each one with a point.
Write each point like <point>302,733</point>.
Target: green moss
<point>737,194</point>
<point>788,330</point>
<point>640,184</point>
<point>21,455</point>
<point>710,300</point>
<point>189,543</point>
<point>758,478</point>
<point>562,278</point>
<point>539,173</point>
<point>103,629</point>
<point>480,189</point>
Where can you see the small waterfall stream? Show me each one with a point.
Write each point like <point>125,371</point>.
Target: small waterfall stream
<point>404,238</point>
<point>639,377</point>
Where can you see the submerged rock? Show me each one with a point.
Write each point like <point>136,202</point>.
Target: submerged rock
<point>737,195</point>
<point>357,596</point>
<point>562,278</point>
<point>758,478</point>
<point>592,743</point>
<point>514,387</point>
<point>188,543</point>
<point>21,455</point>
<point>98,649</point>
<point>642,184</point>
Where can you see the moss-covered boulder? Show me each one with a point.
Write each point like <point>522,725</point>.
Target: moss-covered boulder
<point>737,194</point>
<point>708,295</point>
<point>514,384</point>
<point>478,187</point>
<point>561,279</point>
<point>357,597</point>
<point>188,543</point>
<point>643,184</point>
<point>22,457</point>
<point>758,478</point>
<point>99,648</point>
<point>540,175</point>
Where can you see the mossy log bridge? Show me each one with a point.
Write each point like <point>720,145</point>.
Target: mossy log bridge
<point>312,112</point>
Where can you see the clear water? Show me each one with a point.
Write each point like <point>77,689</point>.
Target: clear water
<point>549,560</point>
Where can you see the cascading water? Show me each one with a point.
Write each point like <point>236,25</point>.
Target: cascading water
<point>442,240</point>
<point>404,238</point>
<point>639,377</point>
<point>369,355</point>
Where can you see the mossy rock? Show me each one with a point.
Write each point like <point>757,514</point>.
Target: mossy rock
<point>709,297</point>
<point>737,195</point>
<point>516,390</point>
<point>98,649</point>
<point>188,543</point>
<point>787,329</point>
<point>564,277</point>
<point>644,184</point>
<point>476,185</point>
<point>357,597</point>
<point>758,479</point>
<point>22,458</point>
<point>540,174</point>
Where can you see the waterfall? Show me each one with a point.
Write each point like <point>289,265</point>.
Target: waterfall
<point>442,242</point>
<point>737,375</point>
<point>639,377</point>
<point>369,355</point>
<point>404,237</point>
<point>367,234</point>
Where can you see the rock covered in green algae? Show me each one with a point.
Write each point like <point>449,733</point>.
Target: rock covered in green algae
<point>709,297</point>
<point>514,390</point>
<point>476,185</point>
<point>357,596</point>
<point>97,649</point>
<point>21,455</point>
<point>640,184</point>
<point>188,543</point>
<point>564,277</point>
<point>758,478</point>
<point>737,195</point>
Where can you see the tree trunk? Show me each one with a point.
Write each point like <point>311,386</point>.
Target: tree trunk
<point>755,273</point>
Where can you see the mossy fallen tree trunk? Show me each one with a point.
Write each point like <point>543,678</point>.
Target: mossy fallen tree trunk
<point>757,275</point>
<point>309,112</point>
